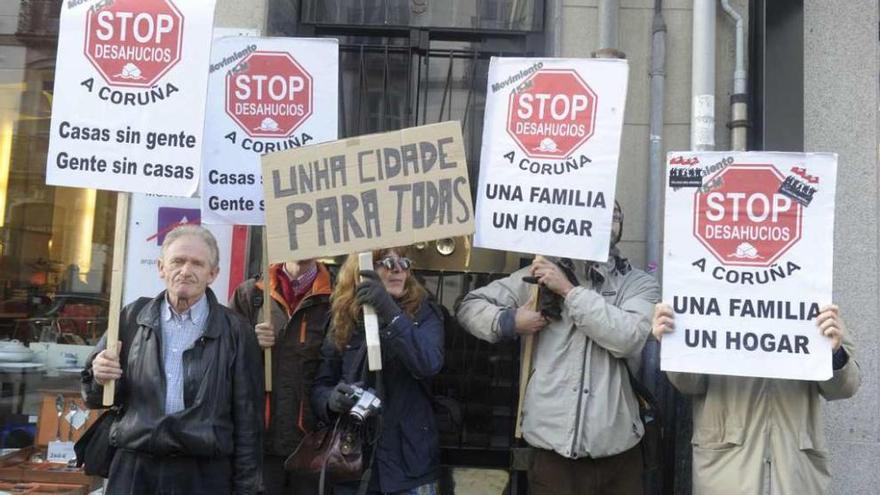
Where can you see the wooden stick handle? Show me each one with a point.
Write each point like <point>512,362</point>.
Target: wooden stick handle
<point>267,311</point>
<point>371,321</point>
<point>117,276</point>
<point>525,369</point>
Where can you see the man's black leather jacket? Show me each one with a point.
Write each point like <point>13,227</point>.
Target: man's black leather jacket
<point>222,392</point>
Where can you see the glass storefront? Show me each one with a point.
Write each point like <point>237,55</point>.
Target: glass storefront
<point>56,243</point>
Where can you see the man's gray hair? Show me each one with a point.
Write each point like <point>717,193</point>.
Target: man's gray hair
<point>196,231</point>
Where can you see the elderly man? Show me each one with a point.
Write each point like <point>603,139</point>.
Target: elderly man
<point>189,383</point>
<point>300,311</point>
<point>580,411</point>
<point>760,435</point>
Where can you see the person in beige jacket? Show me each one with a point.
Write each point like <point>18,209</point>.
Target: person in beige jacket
<point>758,435</point>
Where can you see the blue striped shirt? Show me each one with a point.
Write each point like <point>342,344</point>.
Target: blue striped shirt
<point>179,333</point>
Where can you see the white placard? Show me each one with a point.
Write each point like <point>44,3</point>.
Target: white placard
<point>130,86</point>
<point>265,95</point>
<point>551,143</point>
<point>748,263</point>
<point>151,217</point>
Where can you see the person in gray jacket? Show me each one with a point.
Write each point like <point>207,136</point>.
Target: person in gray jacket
<point>580,413</point>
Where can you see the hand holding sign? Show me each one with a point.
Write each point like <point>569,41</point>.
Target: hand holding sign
<point>371,321</point>
<point>371,292</point>
<point>663,322</point>
<point>831,325</point>
<point>265,334</point>
<point>528,321</point>
<point>550,275</point>
<point>106,365</point>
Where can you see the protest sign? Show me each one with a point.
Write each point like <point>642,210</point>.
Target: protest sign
<point>264,95</point>
<point>151,218</point>
<point>129,98</point>
<point>367,192</point>
<point>548,168</point>
<point>748,263</point>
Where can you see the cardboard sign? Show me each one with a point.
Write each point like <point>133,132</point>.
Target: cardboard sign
<point>368,192</point>
<point>551,142</point>
<point>129,98</point>
<point>151,217</point>
<point>748,263</point>
<point>264,95</point>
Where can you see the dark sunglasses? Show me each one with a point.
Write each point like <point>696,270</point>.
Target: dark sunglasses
<point>389,263</point>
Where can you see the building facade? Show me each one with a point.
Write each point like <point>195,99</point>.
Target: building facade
<point>813,85</point>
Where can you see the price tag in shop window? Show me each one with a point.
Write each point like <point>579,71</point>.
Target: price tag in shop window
<point>60,452</point>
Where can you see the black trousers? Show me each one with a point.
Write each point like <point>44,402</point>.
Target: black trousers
<point>133,473</point>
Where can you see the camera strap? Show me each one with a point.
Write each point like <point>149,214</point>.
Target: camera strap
<point>379,387</point>
<point>368,469</point>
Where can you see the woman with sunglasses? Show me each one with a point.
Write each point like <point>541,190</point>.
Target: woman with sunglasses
<point>411,332</point>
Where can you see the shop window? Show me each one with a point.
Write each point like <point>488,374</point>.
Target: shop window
<point>55,243</point>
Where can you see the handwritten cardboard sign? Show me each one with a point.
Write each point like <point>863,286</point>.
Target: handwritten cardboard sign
<point>367,192</point>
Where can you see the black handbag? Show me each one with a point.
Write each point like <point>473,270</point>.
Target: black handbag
<point>93,449</point>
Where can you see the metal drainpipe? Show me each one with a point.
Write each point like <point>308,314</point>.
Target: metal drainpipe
<point>608,23</point>
<point>703,77</point>
<point>738,100</point>
<point>657,164</point>
<point>553,28</point>
<point>656,161</point>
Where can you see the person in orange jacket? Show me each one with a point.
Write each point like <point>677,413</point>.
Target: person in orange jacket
<point>300,311</point>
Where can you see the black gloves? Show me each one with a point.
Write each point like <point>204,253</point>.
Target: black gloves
<point>341,398</point>
<point>371,292</point>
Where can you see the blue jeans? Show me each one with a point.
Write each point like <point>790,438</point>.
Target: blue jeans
<point>431,488</point>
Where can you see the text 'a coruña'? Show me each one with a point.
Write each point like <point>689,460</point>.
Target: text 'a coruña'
<point>417,204</point>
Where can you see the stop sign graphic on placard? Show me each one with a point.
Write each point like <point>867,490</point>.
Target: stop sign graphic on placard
<point>269,94</point>
<point>552,113</point>
<point>134,42</point>
<point>746,221</point>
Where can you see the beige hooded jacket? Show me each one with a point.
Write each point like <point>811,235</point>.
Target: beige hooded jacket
<point>579,402</point>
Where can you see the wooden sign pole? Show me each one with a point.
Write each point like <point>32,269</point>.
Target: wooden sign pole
<point>267,311</point>
<point>525,369</point>
<point>120,237</point>
<point>371,321</point>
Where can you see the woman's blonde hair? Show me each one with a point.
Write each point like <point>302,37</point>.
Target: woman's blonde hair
<point>346,311</point>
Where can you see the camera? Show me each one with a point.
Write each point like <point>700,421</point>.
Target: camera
<point>366,403</point>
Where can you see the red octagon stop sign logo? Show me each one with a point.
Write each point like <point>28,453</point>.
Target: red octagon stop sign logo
<point>552,113</point>
<point>746,221</point>
<point>269,94</point>
<point>134,42</point>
